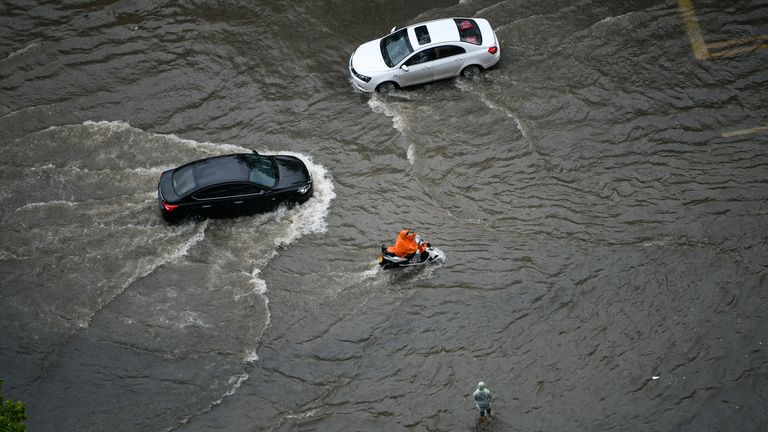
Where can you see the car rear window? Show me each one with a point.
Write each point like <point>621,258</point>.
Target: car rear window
<point>469,31</point>
<point>184,180</point>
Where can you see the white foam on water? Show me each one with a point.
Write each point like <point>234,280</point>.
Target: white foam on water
<point>251,357</point>
<point>147,269</point>
<point>305,414</point>
<point>654,243</point>
<point>25,110</point>
<point>612,19</point>
<point>259,285</point>
<point>410,154</point>
<point>521,126</point>
<point>260,288</point>
<point>370,273</point>
<point>380,106</point>
<point>46,203</point>
<point>110,126</point>
<point>29,47</point>
<point>303,219</point>
<point>287,225</point>
<point>441,256</point>
<point>6,255</point>
<point>310,217</point>
<point>114,126</point>
<point>192,319</point>
<point>233,383</point>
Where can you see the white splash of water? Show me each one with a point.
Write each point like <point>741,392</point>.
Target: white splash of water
<point>521,126</point>
<point>234,384</point>
<point>305,414</point>
<point>25,110</point>
<point>251,357</point>
<point>612,19</point>
<point>370,273</point>
<point>260,288</point>
<point>115,126</point>
<point>654,243</point>
<point>291,224</point>
<point>145,270</point>
<point>410,154</point>
<point>310,217</point>
<point>379,106</point>
<point>45,204</point>
<point>29,47</point>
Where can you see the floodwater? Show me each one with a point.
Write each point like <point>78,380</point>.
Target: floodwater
<point>601,196</point>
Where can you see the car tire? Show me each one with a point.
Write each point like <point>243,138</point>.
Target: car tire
<point>386,87</point>
<point>170,219</point>
<point>471,71</point>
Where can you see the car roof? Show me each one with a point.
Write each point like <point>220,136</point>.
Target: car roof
<point>220,169</point>
<point>440,31</point>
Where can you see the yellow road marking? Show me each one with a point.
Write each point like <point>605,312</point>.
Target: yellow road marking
<point>705,51</point>
<point>736,51</point>
<point>739,41</point>
<point>745,132</point>
<point>692,26</point>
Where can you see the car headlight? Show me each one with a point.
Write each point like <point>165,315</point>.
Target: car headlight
<point>304,189</point>
<point>360,76</point>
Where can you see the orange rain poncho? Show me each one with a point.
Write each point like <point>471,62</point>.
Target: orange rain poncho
<point>406,244</point>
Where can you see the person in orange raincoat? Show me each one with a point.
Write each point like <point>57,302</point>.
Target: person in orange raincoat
<point>407,244</point>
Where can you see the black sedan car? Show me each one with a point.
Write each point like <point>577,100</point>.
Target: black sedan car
<point>232,185</point>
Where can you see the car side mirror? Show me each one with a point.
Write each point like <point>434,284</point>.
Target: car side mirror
<point>255,152</point>
<point>393,29</point>
<point>404,67</point>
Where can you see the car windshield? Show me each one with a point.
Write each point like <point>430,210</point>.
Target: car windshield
<point>395,47</point>
<point>184,180</point>
<point>262,170</point>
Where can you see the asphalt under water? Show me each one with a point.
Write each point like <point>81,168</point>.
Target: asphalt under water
<point>600,195</point>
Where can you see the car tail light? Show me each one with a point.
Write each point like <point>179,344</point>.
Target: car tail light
<point>493,50</point>
<point>169,207</point>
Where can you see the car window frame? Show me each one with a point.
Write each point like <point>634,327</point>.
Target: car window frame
<point>440,57</point>
<point>261,191</point>
<point>418,54</point>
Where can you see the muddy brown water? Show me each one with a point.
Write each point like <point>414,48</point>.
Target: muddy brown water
<point>600,195</point>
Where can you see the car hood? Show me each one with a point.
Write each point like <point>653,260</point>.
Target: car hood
<point>292,172</point>
<point>367,58</point>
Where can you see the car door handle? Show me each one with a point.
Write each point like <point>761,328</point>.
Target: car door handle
<point>207,206</point>
<point>239,202</point>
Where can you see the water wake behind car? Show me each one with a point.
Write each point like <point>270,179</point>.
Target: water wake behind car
<point>171,298</point>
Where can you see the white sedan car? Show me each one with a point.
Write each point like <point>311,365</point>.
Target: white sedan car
<point>425,52</point>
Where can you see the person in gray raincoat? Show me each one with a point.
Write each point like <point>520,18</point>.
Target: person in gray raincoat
<point>483,398</point>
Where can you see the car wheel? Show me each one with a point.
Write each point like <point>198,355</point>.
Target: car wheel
<point>386,87</point>
<point>170,219</point>
<point>471,71</point>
